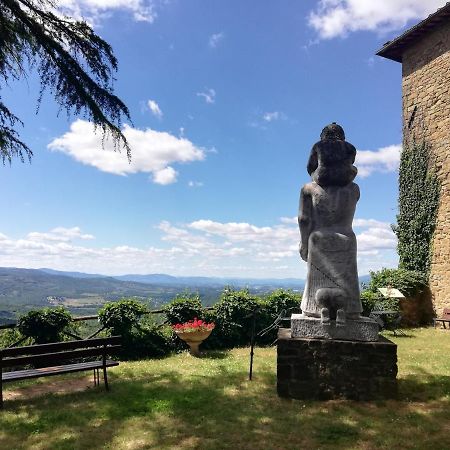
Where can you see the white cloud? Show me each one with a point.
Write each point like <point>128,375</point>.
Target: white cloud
<point>271,116</point>
<point>290,220</point>
<point>333,18</point>
<point>243,231</point>
<point>376,238</point>
<point>215,39</point>
<point>195,183</point>
<point>367,223</point>
<point>152,151</point>
<point>209,95</point>
<point>385,159</point>
<point>202,247</point>
<point>95,10</point>
<point>260,120</point>
<point>376,245</point>
<point>60,234</point>
<point>155,109</point>
<point>168,175</point>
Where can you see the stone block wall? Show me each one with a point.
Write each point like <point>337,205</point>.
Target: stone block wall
<point>426,116</point>
<point>322,369</point>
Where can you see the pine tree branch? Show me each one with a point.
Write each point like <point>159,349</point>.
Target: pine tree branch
<point>73,62</point>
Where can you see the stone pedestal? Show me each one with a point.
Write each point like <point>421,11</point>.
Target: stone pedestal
<point>323,369</point>
<point>363,329</point>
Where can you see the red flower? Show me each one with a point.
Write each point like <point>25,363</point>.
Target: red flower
<point>193,325</point>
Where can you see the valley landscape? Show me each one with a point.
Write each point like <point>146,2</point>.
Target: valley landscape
<point>83,294</point>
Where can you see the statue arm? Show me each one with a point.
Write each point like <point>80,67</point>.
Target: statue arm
<point>352,152</point>
<point>305,221</point>
<point>357,192</point>
<point>312,161</point>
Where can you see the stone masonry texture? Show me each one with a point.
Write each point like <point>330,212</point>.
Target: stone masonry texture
<point>324,369</point>
<point>426,116</point>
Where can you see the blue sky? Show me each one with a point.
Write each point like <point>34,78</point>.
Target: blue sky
<point>227,99</point>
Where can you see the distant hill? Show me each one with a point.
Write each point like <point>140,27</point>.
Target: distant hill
<point>161,278</point>
<point>73,274</point>
<point>22,289</point>
<point>213,281</point>
<point>84,293</point>
<point>164,279</point>
<point>364,279</point>
<point>32,286</point>
<point>149,279</point>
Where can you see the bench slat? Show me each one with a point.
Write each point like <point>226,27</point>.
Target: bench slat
<point>55,370</point>
<point>59,346</point>
<point>53,358</point>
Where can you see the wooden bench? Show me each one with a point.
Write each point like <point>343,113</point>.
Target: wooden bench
<point>444,319</point>
<point>58,358</point>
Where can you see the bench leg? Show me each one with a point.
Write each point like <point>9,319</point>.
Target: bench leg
<point>105,378</point>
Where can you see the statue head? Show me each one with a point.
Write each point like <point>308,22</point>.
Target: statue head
<point>332,132</point>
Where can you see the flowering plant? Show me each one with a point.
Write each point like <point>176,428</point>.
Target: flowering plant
<point>193,325</point>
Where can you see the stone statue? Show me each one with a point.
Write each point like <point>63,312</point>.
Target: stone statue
<point>328,243</point>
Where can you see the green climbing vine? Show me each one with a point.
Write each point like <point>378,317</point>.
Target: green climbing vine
<point>419,191</point>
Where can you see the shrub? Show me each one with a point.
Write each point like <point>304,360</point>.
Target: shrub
<point>273,304</point>
<point>147,340</point>
<point>369,301</point>
<point>141,336</point>
<point>183,308</point>
<point>280,300</point>
<point>45,325</point>
<point>9,337</point>
<point>408,282</point>
<point>121,316</point>
<point>232,315</point>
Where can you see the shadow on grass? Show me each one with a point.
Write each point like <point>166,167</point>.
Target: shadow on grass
<point>216,407</point>
<point>424,387</point>
<point>405,335</point>
<point>215,354</point>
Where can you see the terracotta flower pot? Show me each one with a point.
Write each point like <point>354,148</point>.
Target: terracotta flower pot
<point>193,339</point>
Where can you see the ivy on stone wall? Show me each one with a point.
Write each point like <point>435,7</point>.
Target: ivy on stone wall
<point>419,191</point>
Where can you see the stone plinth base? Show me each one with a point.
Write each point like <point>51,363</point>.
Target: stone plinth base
<point>322,369</point>
<point>363,329</point>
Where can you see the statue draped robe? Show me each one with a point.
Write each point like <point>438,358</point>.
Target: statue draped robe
<point>329,245</point>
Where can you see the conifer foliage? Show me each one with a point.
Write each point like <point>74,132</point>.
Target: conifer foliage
<point>74,64</point>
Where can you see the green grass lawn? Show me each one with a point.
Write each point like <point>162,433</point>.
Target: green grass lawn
<point>186,403</point>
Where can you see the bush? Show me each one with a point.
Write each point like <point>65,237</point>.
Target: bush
<point>232,315</point>
<point>147,340</point>
<point>45,325</point>
<point>273,304</point>
<point>376,301</point>
<point>369,301</point>
<point>121,316</point>
<point>141,336</point>
<point>408,282</point>
<point>183,308</point>
<point>9,337</point>
<point>280,300</point>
